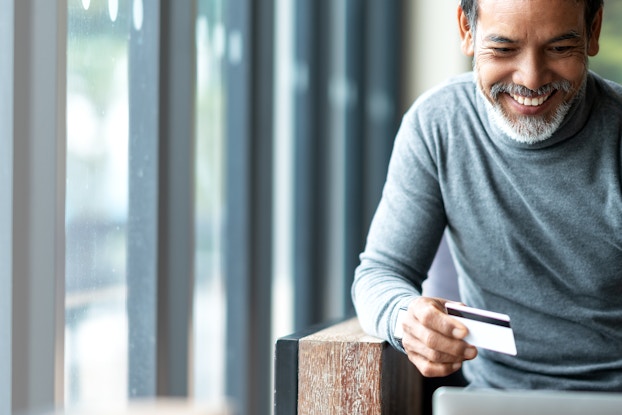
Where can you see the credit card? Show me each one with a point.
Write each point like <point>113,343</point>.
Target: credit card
<point>487,329</point>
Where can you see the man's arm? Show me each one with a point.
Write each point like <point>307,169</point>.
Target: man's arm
<point>403,238</point>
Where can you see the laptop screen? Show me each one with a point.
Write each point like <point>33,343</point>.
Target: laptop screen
<point>461,401</point>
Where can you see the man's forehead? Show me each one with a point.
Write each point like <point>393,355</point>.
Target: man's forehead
<point>520,21</point>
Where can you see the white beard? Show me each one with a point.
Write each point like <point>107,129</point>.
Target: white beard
<point>527,129</point>
<point>530,129</point>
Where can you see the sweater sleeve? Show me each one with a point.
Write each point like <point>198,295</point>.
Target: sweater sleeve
<point>404,234</point>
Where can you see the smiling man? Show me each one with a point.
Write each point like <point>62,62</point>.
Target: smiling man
<point>530,77</point>
<point>519,163</point>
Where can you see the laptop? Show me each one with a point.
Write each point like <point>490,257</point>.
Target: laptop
<point>461,401</point>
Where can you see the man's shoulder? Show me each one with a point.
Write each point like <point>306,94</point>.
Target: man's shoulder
<point>456,85</point>
<point>455,93</point>
<point>607,90</point>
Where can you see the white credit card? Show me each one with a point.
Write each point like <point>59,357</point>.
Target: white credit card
<point>487,329</point>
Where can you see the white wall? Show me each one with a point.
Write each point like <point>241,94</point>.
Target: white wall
<point>432,45</point>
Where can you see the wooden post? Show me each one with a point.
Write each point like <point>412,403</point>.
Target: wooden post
<point>342,370</point>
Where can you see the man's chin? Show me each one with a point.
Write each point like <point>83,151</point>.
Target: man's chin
<point>527,129</point>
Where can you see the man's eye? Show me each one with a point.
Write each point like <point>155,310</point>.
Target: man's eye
<point>503,50</point>
<point>561,49</point>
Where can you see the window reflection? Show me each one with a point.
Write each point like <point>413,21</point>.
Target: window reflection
<point>96,204</point>
<point>113,9</point>
<point>209,311</point>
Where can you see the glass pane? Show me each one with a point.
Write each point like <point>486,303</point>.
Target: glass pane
<point>209,311</point>
<point>608,62</point>
<point>96,346</point>
<point>288,76</point>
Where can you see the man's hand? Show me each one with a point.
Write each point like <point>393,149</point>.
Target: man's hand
<point>433,340</point>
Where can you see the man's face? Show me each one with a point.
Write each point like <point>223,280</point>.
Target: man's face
<point>530,58</point>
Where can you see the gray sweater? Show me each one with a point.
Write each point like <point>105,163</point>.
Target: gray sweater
<point>535,232</point>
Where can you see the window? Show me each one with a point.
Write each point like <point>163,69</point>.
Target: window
<point>96,338</point>
<point>132,207</point>
<point>209,297</point>
<point>153,178</point>
<point>194,179</point>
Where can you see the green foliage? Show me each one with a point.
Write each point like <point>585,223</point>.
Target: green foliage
<point>608,62</point>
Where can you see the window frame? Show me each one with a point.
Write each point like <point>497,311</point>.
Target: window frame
<point>176,252</point>
<point>35,127</point>
<point>6,192</point>
<point>248,175</point>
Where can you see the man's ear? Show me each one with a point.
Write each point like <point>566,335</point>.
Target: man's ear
<point>593,47</point>
<point>466,34</point>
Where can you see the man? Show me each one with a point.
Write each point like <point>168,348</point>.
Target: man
<point>520,165</point>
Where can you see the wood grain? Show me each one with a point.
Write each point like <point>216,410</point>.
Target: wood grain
<point>342,370</point>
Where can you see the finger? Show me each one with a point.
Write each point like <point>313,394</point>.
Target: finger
<point>431,313</point>
<point>433,369</point>
<point>436,346</point>
<point>432,354</point>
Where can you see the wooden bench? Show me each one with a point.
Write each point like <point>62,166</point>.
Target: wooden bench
<point>338,369</point>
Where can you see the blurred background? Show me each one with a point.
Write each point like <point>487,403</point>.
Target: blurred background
<point>224,159</point>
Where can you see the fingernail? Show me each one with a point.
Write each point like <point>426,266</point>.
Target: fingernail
<point>470,353</point>
<point>456,366</point>
<point>459,333</point>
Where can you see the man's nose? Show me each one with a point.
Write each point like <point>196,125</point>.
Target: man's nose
<point>532,71</point>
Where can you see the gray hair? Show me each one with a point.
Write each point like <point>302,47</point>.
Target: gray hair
<point>470,8</point>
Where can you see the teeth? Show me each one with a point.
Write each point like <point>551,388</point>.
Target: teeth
<point>530,102</point>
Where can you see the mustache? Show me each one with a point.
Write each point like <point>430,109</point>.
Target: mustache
<point>514,89</point>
